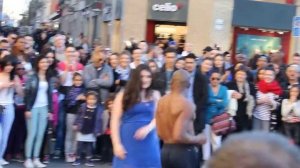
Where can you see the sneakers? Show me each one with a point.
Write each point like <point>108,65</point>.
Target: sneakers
<point>89,163</point>
<point>28,164</point>
<point>76,163</point>
<point>3,162</point>
<point>46,159</point>
<point>38,164</point>
<point>57,154</point>
<point>70,158</point>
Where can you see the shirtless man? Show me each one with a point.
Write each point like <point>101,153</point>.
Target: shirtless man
<point>174,118</point>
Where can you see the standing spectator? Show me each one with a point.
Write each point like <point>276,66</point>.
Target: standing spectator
<point>17,137</point>
<point>98,76</point>
<point>200,94</point>
<point>245,94</point>
<point>4,45</point>
<point>113,62</point>
<point>38,100</point>
<point>134,137</point>
<point>153,66</point>
<point>179,64</point>
<point>69,66</point>
<point>11,38</point>
<point>83,56</point>
<point>59,46</point>
<point>8,83</point>
<point>296,59</point>
<point>188,48</point>
<point>292,78</point>
<point>73,100</point>
<point>18,51</point>
<point>161,80</point>
<point>29,51</point>
<point>124,69</point>
<point>88,125</point>
<point>268,90</point>
<point>137,58</point>
<point>290,111</point>
<point>53,69</point>
<point>216,105</point>
<point>190,67</point>
<point>219,65</point>
<point>228,60</point>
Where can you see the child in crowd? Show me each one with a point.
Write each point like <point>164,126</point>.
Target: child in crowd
<point>290,111</point>
<point>105,140</point>
<point>74,98</point>
<point>88,125</point>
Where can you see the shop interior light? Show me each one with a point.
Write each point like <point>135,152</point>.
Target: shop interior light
<point>280,32</point>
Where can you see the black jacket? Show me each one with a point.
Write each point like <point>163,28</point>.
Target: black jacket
<point>200,95</point>
<point>31,90</point>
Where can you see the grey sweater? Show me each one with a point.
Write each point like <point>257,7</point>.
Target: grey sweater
<point>101,80</point>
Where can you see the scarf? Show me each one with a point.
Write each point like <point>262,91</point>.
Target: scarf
<point>272,87</point>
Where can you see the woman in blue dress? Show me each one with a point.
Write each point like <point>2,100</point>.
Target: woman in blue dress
<point>134,137</point>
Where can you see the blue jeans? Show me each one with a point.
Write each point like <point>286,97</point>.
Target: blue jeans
<point>7,120</point>
<point>36,127</point>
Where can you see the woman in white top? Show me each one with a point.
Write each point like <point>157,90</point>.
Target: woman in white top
<point>290,111</point>
<point>8,84</point>
<point>38,100</point>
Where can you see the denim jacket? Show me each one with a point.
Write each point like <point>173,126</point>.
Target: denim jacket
<point>98,120</point>
<point>31,90</point>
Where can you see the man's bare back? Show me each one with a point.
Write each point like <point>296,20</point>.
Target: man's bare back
<point>170,109</point>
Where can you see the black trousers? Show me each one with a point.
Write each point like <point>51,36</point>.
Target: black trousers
<point>292,131</point>
<point>86,147</point>
<point>180,156</point>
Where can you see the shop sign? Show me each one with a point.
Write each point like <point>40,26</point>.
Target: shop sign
<point>296,26</point>
<point>166,7</point>
<point>168,10</point>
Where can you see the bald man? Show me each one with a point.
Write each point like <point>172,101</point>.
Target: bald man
<point>174,118</point>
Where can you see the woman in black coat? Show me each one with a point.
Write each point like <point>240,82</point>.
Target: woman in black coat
<point>245,94</point>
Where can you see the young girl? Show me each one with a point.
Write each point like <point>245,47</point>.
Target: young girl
<point>290,111</point>
<point>74,98</point>
<point>88,125</point>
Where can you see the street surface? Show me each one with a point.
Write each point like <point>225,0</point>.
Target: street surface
<point>60,164</point>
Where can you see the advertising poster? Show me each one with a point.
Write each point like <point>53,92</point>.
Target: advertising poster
<point>252,44</point>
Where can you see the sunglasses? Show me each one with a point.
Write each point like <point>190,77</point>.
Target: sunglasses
<point>21,69</point>
<point>215,79</point>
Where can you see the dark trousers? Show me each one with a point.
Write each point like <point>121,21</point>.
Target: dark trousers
<point>61,128</point>
<point>18,133</point>
<point>105,148</point>
<point>292,131</point>
<point>180,156</point>
<point>86,148</point>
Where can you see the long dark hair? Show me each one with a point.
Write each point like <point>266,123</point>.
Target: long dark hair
<point>52,68</point>
<point>134,87</point>
<point>8,60</point>
<point>36,68</point>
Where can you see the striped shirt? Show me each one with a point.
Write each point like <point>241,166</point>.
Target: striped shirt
<point>263,111</point>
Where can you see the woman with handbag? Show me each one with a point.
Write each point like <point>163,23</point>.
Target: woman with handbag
<point>217,103</point>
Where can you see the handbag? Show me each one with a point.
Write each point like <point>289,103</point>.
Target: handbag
<point>223,124</point>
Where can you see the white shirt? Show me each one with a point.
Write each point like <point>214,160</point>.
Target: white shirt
<point>41,99</point>
<point>6,96</point>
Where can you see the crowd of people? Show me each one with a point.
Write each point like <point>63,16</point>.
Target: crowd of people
<point>58,100</point>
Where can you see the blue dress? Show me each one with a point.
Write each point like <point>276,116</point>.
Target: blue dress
<point>140,153</point>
